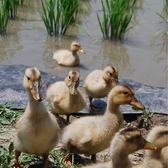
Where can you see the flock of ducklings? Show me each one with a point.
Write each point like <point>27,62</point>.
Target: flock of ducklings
<point>38,132</point>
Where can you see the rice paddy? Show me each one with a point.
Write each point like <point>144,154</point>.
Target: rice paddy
<point>116,17</point>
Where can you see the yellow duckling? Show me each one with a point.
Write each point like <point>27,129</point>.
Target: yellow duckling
<point>164,156</point>
<point>92,134</point>
<point>37,131</point>
<point>68,58</point>
<point>99,82</point>
<point>126,141</point>
<point>65,97</point>
<point>159,137</point>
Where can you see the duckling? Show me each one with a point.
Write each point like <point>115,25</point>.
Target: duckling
<point>99,82</point>
<point>126,141</point>
<point>65,97</point>
<point>37,131</point>
<point>92,134</point>
<point>68,58</point>
<point>164,156</point>
<point>159,137</point>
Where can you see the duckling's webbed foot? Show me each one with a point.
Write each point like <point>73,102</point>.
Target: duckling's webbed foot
<point>93,158</point>
<point>66,122</point>
<point>17,165</point>
<point>67,158</point>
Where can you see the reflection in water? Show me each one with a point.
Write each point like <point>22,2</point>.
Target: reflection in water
<point>9,46</point>
<point>117,55</point>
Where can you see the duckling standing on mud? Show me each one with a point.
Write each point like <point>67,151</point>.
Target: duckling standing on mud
<point>37,131</point>
<point>92,134</point>
<point>99,82</point>
<point>65,97</point>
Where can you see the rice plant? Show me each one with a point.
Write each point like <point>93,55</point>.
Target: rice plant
<point>11,7</point>
<point>4,17</point>
<point>58,15</point>
<point>164,16</point>
<point>116,17</point>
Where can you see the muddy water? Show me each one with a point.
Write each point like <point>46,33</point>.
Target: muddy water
<point>27,43</point>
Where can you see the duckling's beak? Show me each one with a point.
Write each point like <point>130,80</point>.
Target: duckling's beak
<point>72,89</point>
<point>81,50</point>
<point>137,104</point>
<point>149,145</point>
<point>36,92</point>
<point>114,82</point>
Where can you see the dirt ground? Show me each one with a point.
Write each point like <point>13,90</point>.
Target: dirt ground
<point>156,119</point>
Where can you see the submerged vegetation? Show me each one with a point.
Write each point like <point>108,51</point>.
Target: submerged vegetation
<point>116,17</point>
<point>58,15</point>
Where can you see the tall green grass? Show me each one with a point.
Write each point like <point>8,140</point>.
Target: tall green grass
<point>116,17</point>
<point>58,15</point>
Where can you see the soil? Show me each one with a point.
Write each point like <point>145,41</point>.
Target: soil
<point>155,120</point>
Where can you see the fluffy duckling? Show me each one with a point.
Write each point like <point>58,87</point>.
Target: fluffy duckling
<point>37,131</point>
<point>92,134</point>
<point>159,137</point>
<point>126,141</point>
<point>65,97</point>
<point>164,156</point>
<point>68,58</point>
<point>99,82</point>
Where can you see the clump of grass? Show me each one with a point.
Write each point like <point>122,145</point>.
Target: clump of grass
<point>58,15</point>
<point>116,17</point>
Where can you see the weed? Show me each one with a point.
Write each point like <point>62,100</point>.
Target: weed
<point>145,118</point>
<point>7,114</point>
<point>117,15</point>
<point>6,156</point>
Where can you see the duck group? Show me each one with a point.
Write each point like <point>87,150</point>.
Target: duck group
<point>38,130</point>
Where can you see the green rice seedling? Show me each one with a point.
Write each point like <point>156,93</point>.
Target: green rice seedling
<point>116,17</point>
<point>51,15</point>
<point>164,16</point>
<point>11,7</point>
<point>4,17</point>
<point>58,15</point>
<point>69,13</point>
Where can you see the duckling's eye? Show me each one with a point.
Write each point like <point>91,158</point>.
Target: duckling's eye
<point>69,77</point>
<point>111,74</point>
<point>28,78</point>
<point>125,92</point>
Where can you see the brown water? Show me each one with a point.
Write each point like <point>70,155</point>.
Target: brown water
<point>27,43</point>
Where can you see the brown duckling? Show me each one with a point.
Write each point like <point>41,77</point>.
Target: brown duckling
<point>126,141</point>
